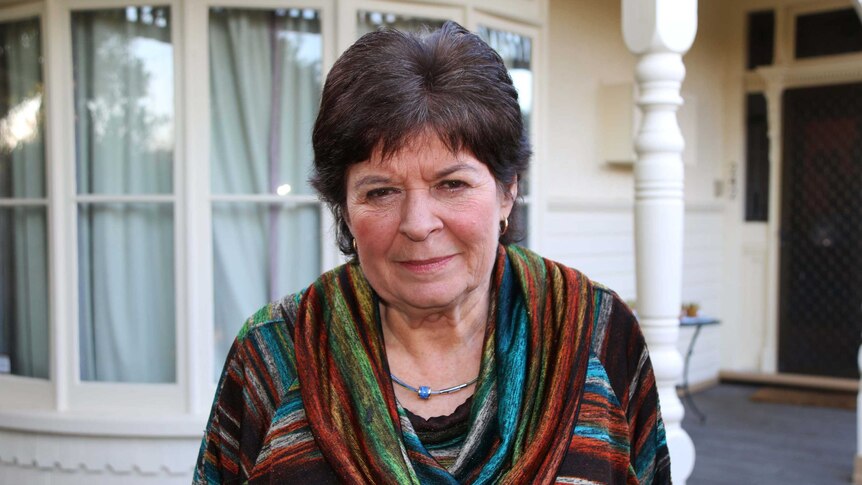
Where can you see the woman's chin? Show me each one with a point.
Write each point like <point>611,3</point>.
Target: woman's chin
<point>429,297</point>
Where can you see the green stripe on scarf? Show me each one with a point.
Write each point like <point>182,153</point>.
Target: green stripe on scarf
<point>534,363</point>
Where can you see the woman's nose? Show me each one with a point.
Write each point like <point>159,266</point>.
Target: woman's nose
<point>419,216</point>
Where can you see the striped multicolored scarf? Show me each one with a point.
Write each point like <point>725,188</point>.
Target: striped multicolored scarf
<point>526,401</point>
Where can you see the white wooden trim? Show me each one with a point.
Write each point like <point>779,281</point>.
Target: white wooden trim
<point>60,144</point>
<point>583,204</point>
<point>182,364</point>
<point>75,5</point>
<point>704,206</point>
<point>95,424</point>
<point>814,72</point>
<point>529,11</point>
<point>24,12</point>
<point>797,380</point>
<point>116,397</point>
<point>125,199</point>
<point>349,9</point>
<point>24,202</point>
<point>522,11</point>
<point>21,392</point>
<point>409,9</point>
<point>290,200</point>
<point>199,260</point>
<point>123,400</point>
<point>783,50</point>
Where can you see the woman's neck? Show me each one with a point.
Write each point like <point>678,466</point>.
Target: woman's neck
<point>438,350</point>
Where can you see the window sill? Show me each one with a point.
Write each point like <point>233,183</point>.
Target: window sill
<point>82,424</point>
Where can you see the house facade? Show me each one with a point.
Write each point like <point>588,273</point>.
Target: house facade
<point>153,194</point>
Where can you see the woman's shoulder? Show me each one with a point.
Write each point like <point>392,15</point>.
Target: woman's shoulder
<point>278,313</point>
<point>603,294</point>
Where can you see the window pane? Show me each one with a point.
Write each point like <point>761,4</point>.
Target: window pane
<point>124,100</point>
<point>22,159</point>
<point>517,53</point>
<point>761,38</point>
<point>126,292</point>
<point>265,83</point>
<point>24,309</point>
<point>261,253</point>
<point>371,21</point>
<point>828,33</point>
<point>756,159</point>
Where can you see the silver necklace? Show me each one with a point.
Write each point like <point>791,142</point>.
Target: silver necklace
<point>424,392</point>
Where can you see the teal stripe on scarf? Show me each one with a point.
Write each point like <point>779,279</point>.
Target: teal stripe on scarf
<point>511,352</point>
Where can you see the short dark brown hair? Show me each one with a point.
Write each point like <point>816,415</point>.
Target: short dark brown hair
<point>391,86</point>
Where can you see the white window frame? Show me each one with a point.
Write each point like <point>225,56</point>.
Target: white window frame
<point>63,403</point>
<point>94,396</point>
<point>534,201</point>
<point>23,391</point>
<point>348,10</point>
<point>200,198</point>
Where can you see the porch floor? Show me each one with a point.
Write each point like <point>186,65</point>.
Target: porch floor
<point>746,442</point>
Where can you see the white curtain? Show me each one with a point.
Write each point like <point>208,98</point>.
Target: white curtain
<point>24,305</point>
<point>124,145</point>
<point>265,81</point>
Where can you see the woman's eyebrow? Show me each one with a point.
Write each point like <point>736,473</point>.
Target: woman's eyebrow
<point>371,180</point>
<point>454,168</point>
<point>376,179</point>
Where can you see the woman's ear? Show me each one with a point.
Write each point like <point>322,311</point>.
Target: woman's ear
<point>510,193</point>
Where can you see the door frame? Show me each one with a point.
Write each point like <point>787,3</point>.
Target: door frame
<point>808,98</point>
<point>777,79</point>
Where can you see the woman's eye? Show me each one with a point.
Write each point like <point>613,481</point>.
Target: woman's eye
<point>380,193</point>
<point>453,184</point>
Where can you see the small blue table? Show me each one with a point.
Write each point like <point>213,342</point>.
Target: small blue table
<point>698,323</point>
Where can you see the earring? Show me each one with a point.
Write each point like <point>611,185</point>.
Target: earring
<point>353,242</point>
<point>504,226</point>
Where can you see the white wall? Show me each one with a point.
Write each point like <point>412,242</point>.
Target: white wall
<point>45,458</point>
<point>585,50</point>
<point>589,219</point>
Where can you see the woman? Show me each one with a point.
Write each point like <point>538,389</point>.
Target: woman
<point>441,353</point>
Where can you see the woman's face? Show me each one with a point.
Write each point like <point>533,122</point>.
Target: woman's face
<point>426,223</point>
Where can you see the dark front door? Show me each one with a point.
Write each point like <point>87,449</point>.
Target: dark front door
<point>821,232</point>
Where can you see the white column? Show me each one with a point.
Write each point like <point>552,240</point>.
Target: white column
<point>774,79</point>
<point>659,32</point>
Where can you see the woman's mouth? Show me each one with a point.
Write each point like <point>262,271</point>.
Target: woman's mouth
<point>426,265</point>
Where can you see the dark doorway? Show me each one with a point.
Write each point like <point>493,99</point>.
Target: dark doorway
<point>820,313</point>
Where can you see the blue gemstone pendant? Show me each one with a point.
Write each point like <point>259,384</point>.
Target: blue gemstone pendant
<point>424,392</point>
